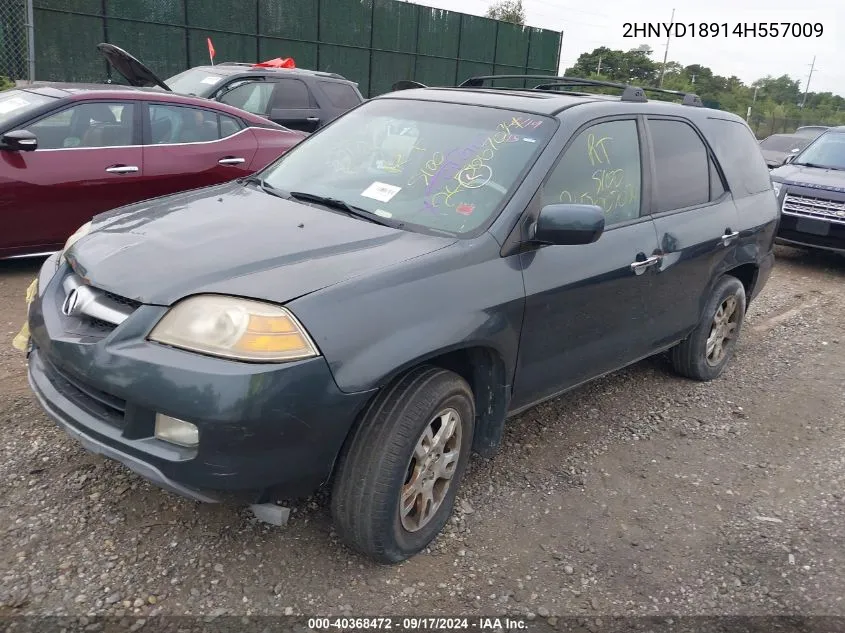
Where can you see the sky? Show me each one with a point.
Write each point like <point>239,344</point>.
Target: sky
<point>588,25</point>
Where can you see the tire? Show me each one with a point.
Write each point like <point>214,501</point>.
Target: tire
<point>379,462</point>
<point>690,358</point>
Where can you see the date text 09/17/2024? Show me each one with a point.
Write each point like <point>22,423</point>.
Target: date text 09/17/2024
<point>417,624</point>
<point>723,29</point>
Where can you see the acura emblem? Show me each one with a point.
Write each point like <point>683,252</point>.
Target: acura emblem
<point>71,303</point>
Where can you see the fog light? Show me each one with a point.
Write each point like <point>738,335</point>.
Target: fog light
<point>176,431</point>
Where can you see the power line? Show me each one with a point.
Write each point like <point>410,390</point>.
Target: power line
<point>807,87</point>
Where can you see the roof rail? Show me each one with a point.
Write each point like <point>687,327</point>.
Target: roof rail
<point>233,64</point>
<point>629,93</point>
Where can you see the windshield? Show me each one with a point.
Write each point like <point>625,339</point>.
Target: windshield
<point>193,82</point>
<point>826,151</point>
<point>441,166</point>
<point>784,143</point>
<point>16,102</point>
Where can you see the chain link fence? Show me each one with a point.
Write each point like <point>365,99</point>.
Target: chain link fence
<point>17,46</point>
<point>764,126</point>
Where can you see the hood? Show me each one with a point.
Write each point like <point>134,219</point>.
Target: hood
<point>136,73</point>
<point>812,177</point>
<point>774,157</point>
<point>238,240</point>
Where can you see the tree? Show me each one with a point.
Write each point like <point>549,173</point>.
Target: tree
<point>507,11</point>
<point>775,101</point>
<point>634,66</point>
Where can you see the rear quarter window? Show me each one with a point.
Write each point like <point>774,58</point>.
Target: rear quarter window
<point>738,152</point>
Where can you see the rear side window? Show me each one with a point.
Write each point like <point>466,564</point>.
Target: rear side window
<point>172,124</point>
<point>291,94</point>
<point>681,166</point>
<point>738,152</point>
<point>341,95</point>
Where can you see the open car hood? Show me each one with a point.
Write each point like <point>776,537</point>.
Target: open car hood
<point>136,73</point>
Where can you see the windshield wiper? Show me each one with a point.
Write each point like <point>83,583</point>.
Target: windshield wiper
<point>340,204</point>
<point>817,166</point>
<point>266,187</point>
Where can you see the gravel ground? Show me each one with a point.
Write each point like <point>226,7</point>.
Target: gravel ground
<point>640,494</point>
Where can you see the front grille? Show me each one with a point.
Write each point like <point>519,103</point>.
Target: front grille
<point>99,310</point>
<point>812,207</point>
<point>100,404</point>
<point>122,300</point>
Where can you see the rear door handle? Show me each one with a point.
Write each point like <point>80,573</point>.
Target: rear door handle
<point>122,169</point>
<point>639,267</point>
<point>729,237</point>
<point>232,160</point>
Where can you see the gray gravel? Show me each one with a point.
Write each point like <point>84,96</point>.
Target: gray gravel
<point>641,493</point>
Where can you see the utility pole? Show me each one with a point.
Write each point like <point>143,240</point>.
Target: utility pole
<point>598,72</point>
<point>807,87</point>
<point>666,52</point>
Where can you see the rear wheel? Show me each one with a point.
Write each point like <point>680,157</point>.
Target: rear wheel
<point>397,479</point>
<point>706,352</point>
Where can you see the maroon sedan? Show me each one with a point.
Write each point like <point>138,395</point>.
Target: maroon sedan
<point>71,151</point>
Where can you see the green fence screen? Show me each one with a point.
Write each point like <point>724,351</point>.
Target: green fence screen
<point>372,42</point>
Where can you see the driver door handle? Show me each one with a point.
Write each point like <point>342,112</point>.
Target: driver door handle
<point>122,169</point>
<point>639,267</point>
<point>313,119</point>
<point>729,237</point>
<point>231,160</point>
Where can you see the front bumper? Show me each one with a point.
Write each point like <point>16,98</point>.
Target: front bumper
<point>265,429</point>
<point>794,231</point>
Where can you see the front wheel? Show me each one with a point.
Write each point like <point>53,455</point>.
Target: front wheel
<point>706,352</point>
<point>397,478</point>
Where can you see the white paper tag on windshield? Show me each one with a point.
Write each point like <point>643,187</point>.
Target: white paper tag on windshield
<point>211,80</point>
<point>381,191</point>
<point>9,105</point>
<point>383,213</point>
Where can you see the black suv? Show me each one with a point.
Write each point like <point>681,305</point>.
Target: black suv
<point>373,306</point>
<point>810,188</point>
<point>296,98</point>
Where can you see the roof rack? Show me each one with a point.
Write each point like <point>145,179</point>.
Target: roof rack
<point>629,93</point>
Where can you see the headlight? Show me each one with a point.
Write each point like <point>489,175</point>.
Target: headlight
<point>777,186</point>
<point>235,328</point>
<point>81,232</point>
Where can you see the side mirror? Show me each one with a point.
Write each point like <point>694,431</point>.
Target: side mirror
<point>789,159</point>
<point>569,224</point>
<point>19,141</point>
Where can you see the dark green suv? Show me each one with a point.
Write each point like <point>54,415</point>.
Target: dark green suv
<point>371,308</point>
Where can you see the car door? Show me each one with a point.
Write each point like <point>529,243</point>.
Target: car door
<point>88,160</point>
<point>588,308</point>
<point>696,220</point>
<point>186,147</point>
<point>293,105</point>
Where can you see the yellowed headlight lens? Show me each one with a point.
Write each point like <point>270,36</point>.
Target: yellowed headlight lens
<point>235,328</point>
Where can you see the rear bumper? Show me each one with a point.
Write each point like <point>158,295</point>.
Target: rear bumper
<point>764,271</point>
